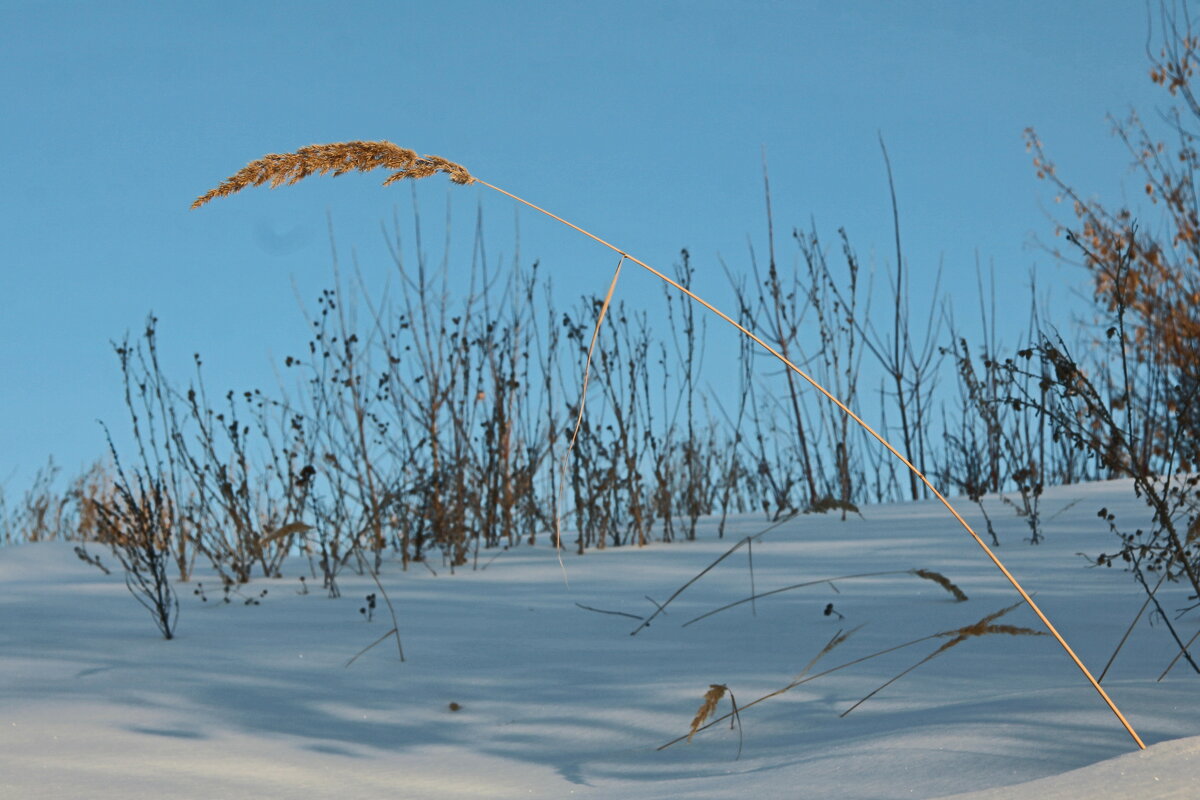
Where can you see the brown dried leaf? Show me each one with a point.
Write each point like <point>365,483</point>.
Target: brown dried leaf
<point>291,529</point>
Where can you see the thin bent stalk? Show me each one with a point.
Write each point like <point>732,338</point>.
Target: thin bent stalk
<point>920,475</point>
<point>587,371</point>
<point>365,156</point>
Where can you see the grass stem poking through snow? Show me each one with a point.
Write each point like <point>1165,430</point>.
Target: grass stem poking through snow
<point>803,677</point>
<point>662,609</point>
<point>614,613</point>
<point>960,635</point>
<point>941,580</point>
<point>981,628</point>
<point>395,631</point>
<point>587,371</point>
<point>1178,656</point>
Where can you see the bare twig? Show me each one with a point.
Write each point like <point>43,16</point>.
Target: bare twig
<point>614,613</point>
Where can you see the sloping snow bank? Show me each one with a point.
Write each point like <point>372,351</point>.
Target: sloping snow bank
<point>556,701</point>
<point>1165,771</point>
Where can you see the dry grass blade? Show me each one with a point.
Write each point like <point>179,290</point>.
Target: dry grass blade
<point>614,613</point>
<point>895,678</point>
<point>737,718</point>
<point>713,696</point>
<point>364,651</point>
<point>983,627</point>
<point>391,611</point>
<point>395,631</point>
<point>837,639</point>
<point>943,581</point>
<point>834,642</point>
<point>338,158</point>
<point>936,577</point>
<point>587,367</point>
<point>752,598</point>
<point>873,434</point>
<point>587,371</point>
<point>1179,655</point>
<point>662,609</point>
<point>655,603</point>
<point>1125,637</point>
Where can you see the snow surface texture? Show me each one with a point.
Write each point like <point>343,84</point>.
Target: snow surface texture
<point>556,701</point>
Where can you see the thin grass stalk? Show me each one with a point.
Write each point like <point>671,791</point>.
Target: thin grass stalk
<point>979,541</point>
<point>803,678</point>
<point>942,498</point>
<point>612,288</point>
<point>981,628</point>
<point>662,609</point>
<point>1178,656</point>
<point>1129,630</point>
<point>928,575</point>
<point>900,321</point>
<point>784,330</point>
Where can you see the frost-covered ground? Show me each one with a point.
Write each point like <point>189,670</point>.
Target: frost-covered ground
<point>556,701</point>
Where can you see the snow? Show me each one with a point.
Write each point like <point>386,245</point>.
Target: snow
<point>556,701</point>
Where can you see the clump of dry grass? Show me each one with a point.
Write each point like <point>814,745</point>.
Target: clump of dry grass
<point>983,627</point>
<point>716,691</point>
<point>48,513</point>
<point>957,636</point>
<point>338,158</point>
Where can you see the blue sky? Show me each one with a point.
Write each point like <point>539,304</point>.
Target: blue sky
<point>642,121</point>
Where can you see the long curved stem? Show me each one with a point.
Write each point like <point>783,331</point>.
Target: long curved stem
<point>745,332</point>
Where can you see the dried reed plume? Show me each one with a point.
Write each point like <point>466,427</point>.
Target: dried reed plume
<point>983,627</point>
<point>365,156</point>
<point>713,696</point>
<point>338,158</point>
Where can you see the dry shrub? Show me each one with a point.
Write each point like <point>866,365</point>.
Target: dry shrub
<point>1152,277</point>
<point>138,526</point>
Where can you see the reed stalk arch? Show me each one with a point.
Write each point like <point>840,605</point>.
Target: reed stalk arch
<point>340,158</point>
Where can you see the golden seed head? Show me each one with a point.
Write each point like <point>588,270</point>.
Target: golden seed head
<point>338,158</point>
<point>713,696</point>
